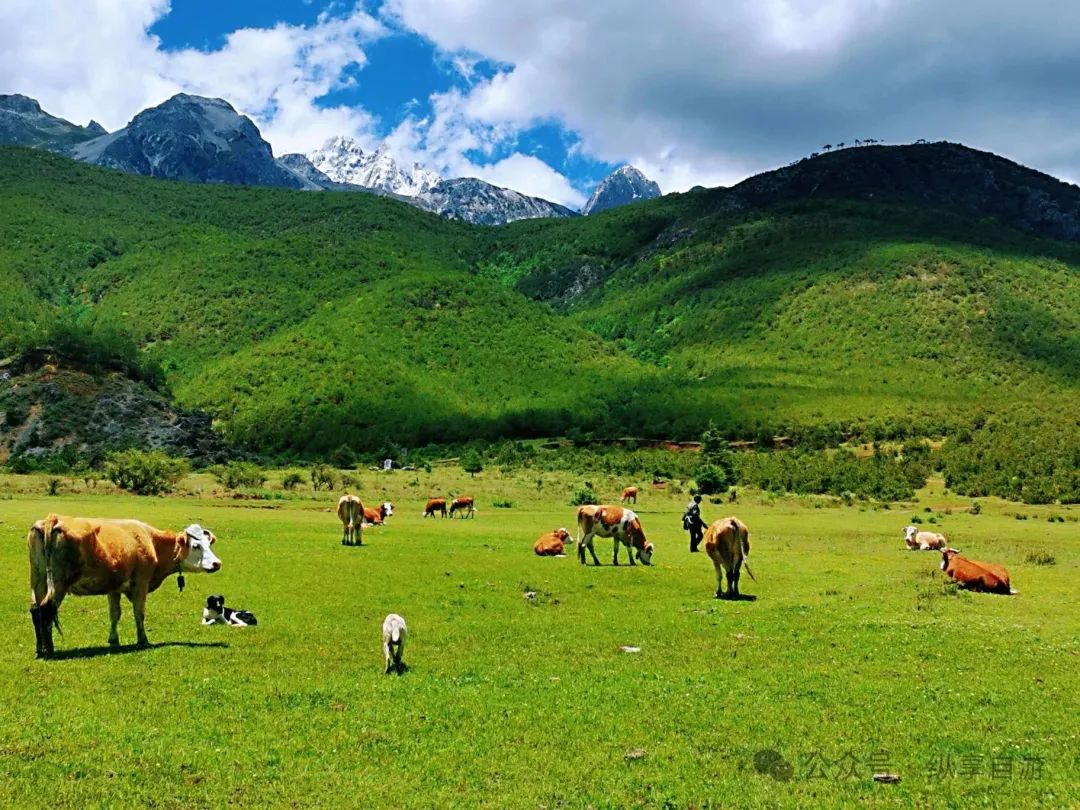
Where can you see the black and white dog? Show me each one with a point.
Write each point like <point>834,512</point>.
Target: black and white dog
<point>215,612</point>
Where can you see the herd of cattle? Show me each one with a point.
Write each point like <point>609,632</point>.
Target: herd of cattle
<point>114,557</point>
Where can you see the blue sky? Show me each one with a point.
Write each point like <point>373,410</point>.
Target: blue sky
<point>548,96</point>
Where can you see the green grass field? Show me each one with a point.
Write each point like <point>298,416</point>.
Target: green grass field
<point>854,657</point>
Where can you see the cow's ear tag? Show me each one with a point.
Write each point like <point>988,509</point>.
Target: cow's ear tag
<point>180,582</point>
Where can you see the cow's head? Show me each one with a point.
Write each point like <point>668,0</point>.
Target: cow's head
<point>199,557</point>
<point>387,509</point>
<point>947,555</point>
<point>563,535</point>
<point>909,535</point>
<point>644,554</point>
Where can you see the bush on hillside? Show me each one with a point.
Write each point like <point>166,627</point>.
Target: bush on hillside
<point>239,474</point>
<point>145,472</point>
<point>323,477</point>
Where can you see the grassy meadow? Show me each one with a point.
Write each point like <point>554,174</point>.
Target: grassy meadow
<point>854,657</point>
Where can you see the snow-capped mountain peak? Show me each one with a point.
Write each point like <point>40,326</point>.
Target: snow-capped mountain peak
<point>624,185</point>
<point>344,161</point>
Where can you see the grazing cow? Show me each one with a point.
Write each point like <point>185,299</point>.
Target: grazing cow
<point>393,641</point>
<point>923,541</point>
<point>552,544</point>
<point>96,557</point>
<point>463,504</point>
<point>350,512</point>
<point>629,495</point>
<point>615,522</point>
<point>727,542</point>
<point>376,516</point>
<point>973,575</point>
<point>435,505</point>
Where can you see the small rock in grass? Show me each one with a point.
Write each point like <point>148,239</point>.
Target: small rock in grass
<point>887,778</point>
<point>627,649</point>
<point>637,753</point>
<point>530,594</point>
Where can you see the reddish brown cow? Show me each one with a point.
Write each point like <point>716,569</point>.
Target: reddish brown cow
<point>552,544</point>
<point>377,515</point>
<point>629,494</point>
<point>435,505</point>
<point>96,557</point>
<point>618,523</point>
<point>463,504</point>
<point>973,575</point>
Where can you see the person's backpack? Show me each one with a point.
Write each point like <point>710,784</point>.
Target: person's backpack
<point>687,521</point>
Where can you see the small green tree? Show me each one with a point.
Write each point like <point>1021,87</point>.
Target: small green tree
<point>292,481</point>
<point>472,463</point>
<point>711,479</point>
<point>145,472</point>
<point>323,477</point>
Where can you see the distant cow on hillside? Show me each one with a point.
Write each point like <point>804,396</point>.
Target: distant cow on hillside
<point>435,505</point>
<point>350,512</point>
<point>629,495</point>
<point>973,575</point>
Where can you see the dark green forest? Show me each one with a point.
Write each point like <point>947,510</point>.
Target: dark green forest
<point>304,322</point>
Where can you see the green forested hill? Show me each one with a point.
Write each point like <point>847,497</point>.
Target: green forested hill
<point>307,320</point>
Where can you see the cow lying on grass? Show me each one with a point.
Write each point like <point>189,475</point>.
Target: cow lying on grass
<point>615,522</point>
<point>727,542</point>
<point>973,575</point>
<point>923,541</point>
<point>552,544</point>
<point>377,515</point>
<point>96,557</point>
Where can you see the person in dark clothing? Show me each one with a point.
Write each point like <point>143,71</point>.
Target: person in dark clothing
<point>693,523</point>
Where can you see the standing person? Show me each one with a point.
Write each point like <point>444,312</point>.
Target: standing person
<point>692,522</point>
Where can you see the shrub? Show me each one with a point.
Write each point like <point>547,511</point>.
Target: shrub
<point>343,457</point>
<point>711,479</point>
<point>916,519</point>
<point>350,481</point>
<point>145,472</point>
<point>976,508</point>
<point>54,486</point>
<point>323,477</point>
<point>503,504</point>
<point>239,474</point>
<point>584,495</point>
<point>292,481</point>
<point>1040,557</point>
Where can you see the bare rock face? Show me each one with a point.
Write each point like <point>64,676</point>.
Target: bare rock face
<point>200,140</point>
<point>24,123</point>
<point>624,185</point>
<point>480,203</point>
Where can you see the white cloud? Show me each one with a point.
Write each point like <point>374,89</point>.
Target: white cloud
<point>98,60</point>
<point>699,91</point>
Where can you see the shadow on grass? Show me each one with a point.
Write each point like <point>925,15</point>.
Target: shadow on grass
<point>124,649</point>
<point>742,597</point>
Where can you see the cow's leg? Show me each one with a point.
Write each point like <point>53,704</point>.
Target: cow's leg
<point>719,578</point>
<point>733,578</point>
<point>386,654</point>
<point>630,554</point>
<point>114,618</point>
<point>137,595</point>
<point>615,556</point>
<point>39,638</point>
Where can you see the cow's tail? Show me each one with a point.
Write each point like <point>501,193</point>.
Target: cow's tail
<point>744,547</point>
<point>395,634</point>
<point>43,533</point>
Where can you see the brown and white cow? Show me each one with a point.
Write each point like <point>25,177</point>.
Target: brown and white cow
<point>615,522</point>
<point>923,541</point>
<point>552,544</point>
<point>973,575</point>
<point>463,504</point>
<point>98,557</point>
<point>350,512</point>
<point>377,515</point>
<point>435,505</point>
<point>629,495</point>
<point>727,542</point>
